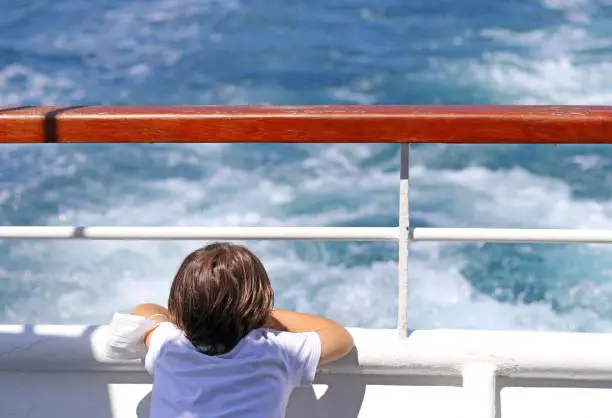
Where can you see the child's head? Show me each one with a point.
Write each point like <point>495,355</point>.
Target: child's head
<point>220,293</point>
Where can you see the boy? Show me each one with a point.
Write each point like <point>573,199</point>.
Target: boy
<point>221,350</point>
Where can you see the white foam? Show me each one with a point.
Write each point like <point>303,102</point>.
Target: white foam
<point>132,38</point>
<point>100,277</point>
<point>565,4</point>
<point>502,198</point>
<point>587,162</point>
<point>20,84</point>
<point>552,67</point>
<point>361,91</point>
<point>556,80</point>
<point>514,198</point>
<point>548,42</point>
<point>140,70</point>
<point>578,11</point>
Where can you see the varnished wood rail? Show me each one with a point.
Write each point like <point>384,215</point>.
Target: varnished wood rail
<point>404,124</point>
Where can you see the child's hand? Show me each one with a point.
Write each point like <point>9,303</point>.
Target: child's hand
<point>153,312</point>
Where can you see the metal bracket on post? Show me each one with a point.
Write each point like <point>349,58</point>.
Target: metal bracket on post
<point>404,237</point>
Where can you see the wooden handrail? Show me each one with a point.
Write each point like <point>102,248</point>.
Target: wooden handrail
<point>449,124</point>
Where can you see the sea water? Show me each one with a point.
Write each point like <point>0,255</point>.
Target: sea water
<point>311,52</point>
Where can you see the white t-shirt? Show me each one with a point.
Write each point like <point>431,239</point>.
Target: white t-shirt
<point>254,379</point>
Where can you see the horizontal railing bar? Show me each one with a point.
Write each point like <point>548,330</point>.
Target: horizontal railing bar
<point>306,233</point>
<point>199,233</point>
<point>450,124</point>
<point>512,235</point>
<point>441,352</point>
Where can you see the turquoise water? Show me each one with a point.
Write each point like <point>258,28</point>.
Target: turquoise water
<point>319,52</point>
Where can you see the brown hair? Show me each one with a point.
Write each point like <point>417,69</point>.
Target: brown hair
<point>220,293</point>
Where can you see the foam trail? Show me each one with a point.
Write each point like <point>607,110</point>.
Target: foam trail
<point>308,276</point>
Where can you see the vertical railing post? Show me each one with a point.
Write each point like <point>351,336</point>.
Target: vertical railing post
<point>481,391</point>
<point>404,237</point>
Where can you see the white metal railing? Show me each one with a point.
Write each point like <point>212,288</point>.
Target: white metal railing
<point>279,233</point>
<point>479,375</point>
<point>199,233</point>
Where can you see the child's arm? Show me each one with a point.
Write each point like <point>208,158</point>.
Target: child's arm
<point>153,312</point>
<point>336,341</point>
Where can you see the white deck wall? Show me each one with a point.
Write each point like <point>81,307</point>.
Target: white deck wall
<point>62,372</point>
